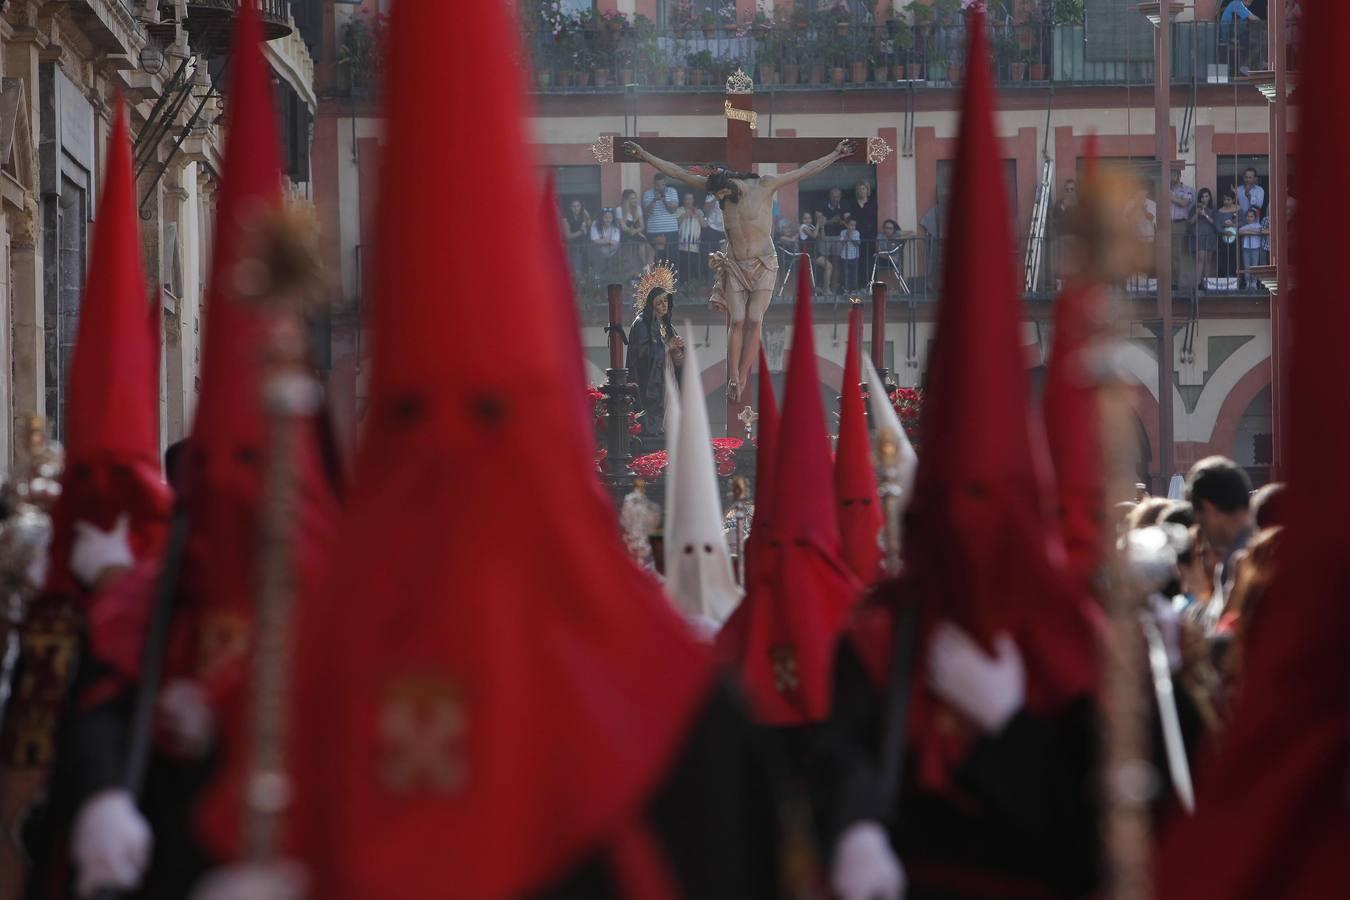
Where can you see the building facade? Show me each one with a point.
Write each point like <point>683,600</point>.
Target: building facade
<point>644,69</point>
<point>63,65</point>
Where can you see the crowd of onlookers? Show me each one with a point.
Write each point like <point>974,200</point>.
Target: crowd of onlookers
<point>841,240</point>
<point>1215,246</point>
<point>1225,536</point>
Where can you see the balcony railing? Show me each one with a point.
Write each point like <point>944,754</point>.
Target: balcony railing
<point>872,56</point>
<point>909,263</point>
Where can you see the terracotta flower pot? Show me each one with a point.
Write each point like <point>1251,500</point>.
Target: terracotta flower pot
<point>791,73</point>
<point>768,74</point>
<point>881,74</point>
<point>697,77</point>
<point>914,71</point>
<point>680,75</point>
<point>581,79</point>
<point>626,76</point>
<point>838,75</point>
<point>601,77</point>
<point>709,33</point>
<point>817,74</point>
<point>730,29</point>
<point>564,78</point>
<point>954,73</point>
<point>1037,71</point>
<point>1017,71</point>
<point>841,28</point>
<point>859,72</point>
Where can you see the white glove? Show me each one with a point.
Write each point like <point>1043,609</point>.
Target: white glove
<point>865,867</point>
<point>95,550</point>
<point>1169,626</point>
<point>110,845</point>
<point>187,719</point>
<point>987,690</point>
<point>251,881</point>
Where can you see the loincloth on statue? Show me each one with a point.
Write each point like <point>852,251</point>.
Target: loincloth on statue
<point>743,285</point>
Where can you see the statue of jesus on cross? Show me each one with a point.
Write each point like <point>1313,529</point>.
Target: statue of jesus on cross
<point>748,270</point>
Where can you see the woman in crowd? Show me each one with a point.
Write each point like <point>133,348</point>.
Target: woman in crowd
<point>811,241</point>
<point>1251,232</point>
<point>649,340</point>
<point>1206,235</point>
<point>632,232</point>
<point>576,225</point>
<point>691,221</point>
<point>605,237</point>
<point>1226,221</point>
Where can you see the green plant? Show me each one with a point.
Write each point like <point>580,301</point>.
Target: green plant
<point>947,11</point>
<point>1005,46</point>
<point>708,19</point>
<point>702,59</point>
<point>920,13</point>
<point>768,51</point>
<point>904,39</point>
<point>1067,12</point>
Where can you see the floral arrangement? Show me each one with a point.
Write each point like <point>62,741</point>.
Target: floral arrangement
<point>600,418</point>
<point>908,403</point>
<point>653,465</point>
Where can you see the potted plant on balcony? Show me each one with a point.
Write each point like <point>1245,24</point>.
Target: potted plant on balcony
<point>1007,55</point>
<point>838,17</point>
<point>613,21</point>
<point>647,59</point>
<point>768,53</point>
<point>921,14</point>
<point>762,25</point>
<point>938,59</point>
<point>727,15</point>
<point>708,22</point>
<point>801,19</point>
<point>904,48</point>
<point>880,52</point>
<point>947,12</point>
<point>682,18</point>
<point>1036,67</point>
<point>700,65</point>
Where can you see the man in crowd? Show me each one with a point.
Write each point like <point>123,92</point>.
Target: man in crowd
<point>1220,491</point>
<point>829,239</point>
<point>1250,194</point>
<point>1183,253</point>
<point>864,212</point>
<point>660,203</point>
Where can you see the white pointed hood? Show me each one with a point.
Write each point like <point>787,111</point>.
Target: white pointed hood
<point>887,420</point>
<point>1176,488</point>
<point>699,578</point>
<point>672,425</point>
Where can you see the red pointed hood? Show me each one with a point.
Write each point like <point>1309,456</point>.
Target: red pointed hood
<point>782,636</point>
<point>1271,816</point>
<point>503,605</point>
<point>112,401</point>
<point>981,547</point>
<point>855,479</point>
<point>1073,427</point>
<point>228,450</point>
<point>766,449</point>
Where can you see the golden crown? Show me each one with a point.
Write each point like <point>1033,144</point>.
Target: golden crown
<point>740,83</point>
<point>660,275</point>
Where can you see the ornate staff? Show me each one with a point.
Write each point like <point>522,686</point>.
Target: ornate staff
<point>284,274</point>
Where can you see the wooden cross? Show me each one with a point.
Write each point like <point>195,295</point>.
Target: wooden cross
<point>740,150</point>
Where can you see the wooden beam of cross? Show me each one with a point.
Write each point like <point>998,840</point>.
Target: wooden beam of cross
<point>739,151</point>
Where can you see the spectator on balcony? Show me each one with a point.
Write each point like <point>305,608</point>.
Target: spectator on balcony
<point>786,242</point>
<point>690,219</point>
<point>1204,224</point>
<point>605,237</point>
<point>1234,25</point>
<point>1227,219</point>
<point>633,230</point>
<point>714,228</point>
<point>1251,233</point>
<point>829,240</point>
<point>1250,193</point>
<point>1182,210</point>
<point>811,243</point>
<point>864,211</point>
<point>576,224</point>
<point>890,258</point>
<point>850,252</point>
<point>660,203</point>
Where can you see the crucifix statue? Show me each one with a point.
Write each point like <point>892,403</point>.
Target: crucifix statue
<point>748,269</point>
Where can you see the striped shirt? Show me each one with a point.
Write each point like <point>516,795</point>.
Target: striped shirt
<point>660,220</point>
